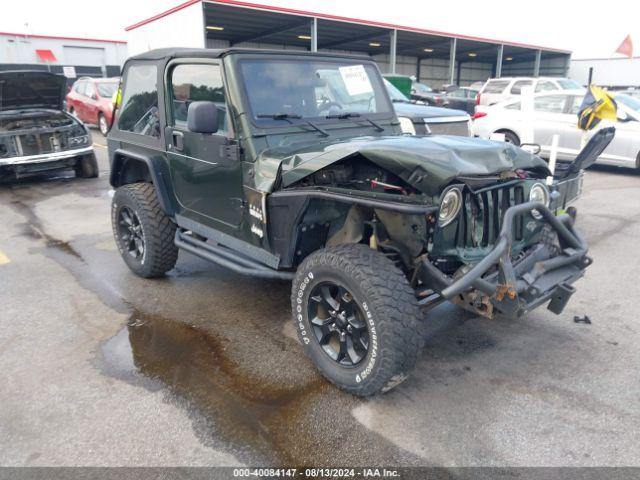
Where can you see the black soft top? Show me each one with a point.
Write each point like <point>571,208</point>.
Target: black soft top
<point>169,53</point>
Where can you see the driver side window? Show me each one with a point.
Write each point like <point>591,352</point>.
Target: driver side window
<point>197,82</point>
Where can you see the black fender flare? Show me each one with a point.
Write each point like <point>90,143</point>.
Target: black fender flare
<point>158,173</point>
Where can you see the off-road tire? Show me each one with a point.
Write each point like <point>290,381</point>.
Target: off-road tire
<point>380,289</point>
<point>160,253</point>
<point>87,167</point>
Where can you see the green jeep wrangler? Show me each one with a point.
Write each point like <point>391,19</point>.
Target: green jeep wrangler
<point>293,166</point>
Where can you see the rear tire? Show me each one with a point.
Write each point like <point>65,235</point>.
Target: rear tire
<point>365,291</point>
<point>87,167</point>
<point>143,233</point>
<point>510,137</point>
<point>103,125</point>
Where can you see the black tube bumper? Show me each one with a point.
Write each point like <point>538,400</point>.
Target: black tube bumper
<point>515,288</point>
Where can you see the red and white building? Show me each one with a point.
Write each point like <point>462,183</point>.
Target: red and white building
<point>434,57</point>
<point>82,56</point>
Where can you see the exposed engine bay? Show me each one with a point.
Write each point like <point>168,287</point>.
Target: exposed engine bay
<point>35,132</point>
<point>359,174</point>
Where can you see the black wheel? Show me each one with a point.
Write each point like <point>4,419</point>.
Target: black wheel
<point>357,318</point>
<point>102,124</point>
<point>143,233</point>
<point>87,167</point>
<point>510,137</point>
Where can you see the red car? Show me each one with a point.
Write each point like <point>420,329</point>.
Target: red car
<point>91,100</point>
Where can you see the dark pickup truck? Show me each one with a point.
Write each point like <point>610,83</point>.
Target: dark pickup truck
<point>293,166</point>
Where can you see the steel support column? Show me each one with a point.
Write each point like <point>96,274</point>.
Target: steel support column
<point>452,61</point>
<point>392,51</point>
<point>536,65</point>
<point>499,61</point>
<point>314,34</point>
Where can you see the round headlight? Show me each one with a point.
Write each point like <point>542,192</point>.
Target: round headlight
<point>406,125</point>
<point>450,206</point>
<point>539,193</point>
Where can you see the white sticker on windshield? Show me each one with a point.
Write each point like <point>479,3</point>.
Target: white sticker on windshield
<point>356,79</point>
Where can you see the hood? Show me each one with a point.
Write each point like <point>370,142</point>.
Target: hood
<point>427,163</point>
<point>419,112</point>
<point>31,89</point>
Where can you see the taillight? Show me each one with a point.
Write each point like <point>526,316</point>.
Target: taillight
<point>478,115</point>
<point>478,98</point>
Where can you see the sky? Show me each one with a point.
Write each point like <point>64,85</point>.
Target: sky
<point>588,28</point>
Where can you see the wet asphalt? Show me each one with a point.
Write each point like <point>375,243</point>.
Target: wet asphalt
<point>202,367</point>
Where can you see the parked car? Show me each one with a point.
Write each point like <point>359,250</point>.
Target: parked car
<point>271,174</point>
<point>557,112</point>
<point>424,93</point>
<point>463,98</point>
<point>419,119</point>
<point>496,90</point>
<point>630,92</point>
<point>36,134</point>
<point>91,100</point>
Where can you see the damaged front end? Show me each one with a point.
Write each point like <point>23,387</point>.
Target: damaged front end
<point>510,282</point>
<point>35,134</point>
<point>466,220</point>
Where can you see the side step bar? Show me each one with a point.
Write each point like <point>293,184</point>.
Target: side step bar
<point>228,258</point>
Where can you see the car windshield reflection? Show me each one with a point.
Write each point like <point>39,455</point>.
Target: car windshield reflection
<point>305,89</point>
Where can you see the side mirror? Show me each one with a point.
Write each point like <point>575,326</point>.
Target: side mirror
<point>622,116</point>
<point>202,117</point>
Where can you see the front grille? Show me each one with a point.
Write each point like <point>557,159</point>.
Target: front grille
<point>481,215</point>
<point>453,128</point>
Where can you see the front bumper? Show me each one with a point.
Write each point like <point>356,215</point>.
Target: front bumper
<point>45,157</point>
<point>513,288</point>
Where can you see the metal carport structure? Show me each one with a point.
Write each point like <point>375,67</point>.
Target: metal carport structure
<point>435,57</point>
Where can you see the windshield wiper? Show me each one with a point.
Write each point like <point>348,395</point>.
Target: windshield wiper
<point>279,116</point>
<point>344,115</point>
<point>356,115</point>
<point>287,116</point>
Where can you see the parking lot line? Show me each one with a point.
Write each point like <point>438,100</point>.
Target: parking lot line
<point>3,258</point>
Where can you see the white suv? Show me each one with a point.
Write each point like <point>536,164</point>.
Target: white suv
<point>498,89</point>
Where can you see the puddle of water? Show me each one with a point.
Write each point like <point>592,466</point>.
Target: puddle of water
<point>261,414</point>
<point>152,352</point>
<point>33,228</point>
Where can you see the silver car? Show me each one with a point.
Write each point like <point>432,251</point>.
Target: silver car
<point>557,113</point>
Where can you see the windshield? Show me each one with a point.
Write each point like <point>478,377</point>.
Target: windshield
<point>395,94</point>
<point>312,89</point>
<point>568,84</point>
<point>421,87</point>
<point>106,90</point>
<point>632,103</point>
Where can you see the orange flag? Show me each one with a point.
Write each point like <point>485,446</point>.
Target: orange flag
<point>626,47</point>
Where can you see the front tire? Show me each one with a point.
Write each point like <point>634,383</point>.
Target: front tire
<point>87,167</point>
<point>143,233</point>
<point>357,318</point>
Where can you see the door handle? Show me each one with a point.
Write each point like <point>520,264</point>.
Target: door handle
<point>178,140</point>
